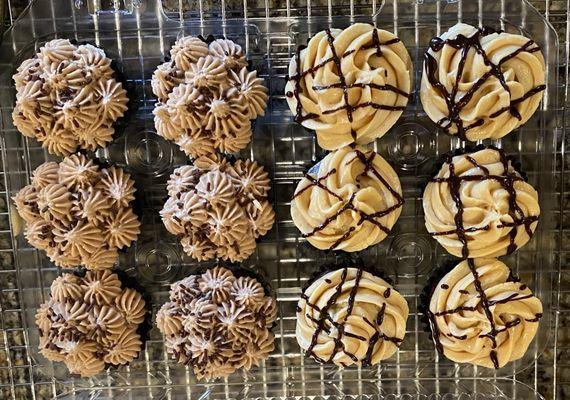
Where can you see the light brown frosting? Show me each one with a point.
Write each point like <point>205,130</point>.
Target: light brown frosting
<point>376,70</point>
<point>356,202</point>
<point>165,78</point>
<point>207,72</point>
<point>229,52</point>
<point>65,93</point>
<point>463,316</point>
<point>219,321</point>
<point>83,323</point>
<point>187,50</point>
<point>371,313</point>
<point>250,90</point>
<point>79,214</point>
<point>488,217</point>
<point>218,209</point>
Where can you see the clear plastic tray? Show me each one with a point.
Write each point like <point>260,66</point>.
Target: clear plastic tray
<point>138,36</point>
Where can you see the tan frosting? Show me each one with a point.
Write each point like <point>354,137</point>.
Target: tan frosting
<point>207,72</point>
<point>216,188</point>
<point>26,201</point>
<point>261,218</point>
<point>372,313</point>
<point>374,66</point>
<point>92,205</point>
<point>215,319</point>
<point>164,79</point>
<point>45,174</point>
<point>39,233</point>
<point>487,217</point>
<point>82,324</point>
<point>198,145</point>
<point>188,50</point>
<point>67,97</point>
<point>102,258</point>
<point>54,203</point>
<point>167,123</point>
<point>353,207</point>
<point>227,116</point>
<point>122,228</point>
<point>252,179</point>
<point>486,113</point>
<point>80,240</point>
<point>250,90</point>
<point>186,106</point>
<point>118,185</point>
<point>78,171</point>
<point>458,311</point>
<point>229,52</point>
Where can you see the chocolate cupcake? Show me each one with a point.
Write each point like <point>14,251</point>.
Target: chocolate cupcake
<point>481,84</point>
<point>218,322</point>
<point>480,314</point>
<point>349,201</point>
<point>67,97</point>
<point>218,208</point>
<point>349,85</point>
<point>91,322</point>
<point>207,97</point>
<point>350,316</point>
<point>79,213</point>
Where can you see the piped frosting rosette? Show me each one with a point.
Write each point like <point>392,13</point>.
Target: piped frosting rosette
<point>67,97</point>
<point>478,205</point>
<point>79,213</point>
<point>350,85</point>
<point>218,322</point>
<point>480,84</point>
<point>480,315</point>
<point>207,97</point>
<point>349,201</point>
<point>90,322</point>
<point>349,316</point>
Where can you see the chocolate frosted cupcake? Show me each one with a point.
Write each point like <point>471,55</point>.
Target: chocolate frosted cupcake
<point>479,205</point>
<point>79,213</point>
<point>350,316</point>
<point>480,84</point>
<point>218,323</point>
<point>217,208</point>
<point>67,97</point>
<point>91,322</point>
<point>349,201</point>
<point>349,85</point>
<point>207,97</point>
<point>480,314</point>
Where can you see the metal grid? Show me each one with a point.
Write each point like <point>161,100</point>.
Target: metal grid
<point>16,372</point>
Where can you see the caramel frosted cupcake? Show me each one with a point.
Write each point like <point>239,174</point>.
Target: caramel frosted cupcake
<point>480,84</point>
<point>479,205</point>
<point>349,201</point>
<point>79,213</point>
<point>217,208</point>
<point>350,85</point>
<point>351,317</point>
<point>67,97</point>
<point>218,323</point>
<point>480,314</point>
<point>91,322</point>
<point>207,97</point>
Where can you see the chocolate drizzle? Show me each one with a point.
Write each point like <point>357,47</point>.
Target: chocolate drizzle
<point>454,105</point>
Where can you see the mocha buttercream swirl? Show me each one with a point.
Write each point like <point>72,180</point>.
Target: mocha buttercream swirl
<point>478,205</point>
<point>349,316</point>
<point>68,98</point>
<point>480,315</point>
<point>90,322</point>
<point>349,85</point>
<point>480,84</point>
<point>218,322</point>
<point>349,201</point>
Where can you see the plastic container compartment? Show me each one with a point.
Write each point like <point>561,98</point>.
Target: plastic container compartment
<point>138,36</point>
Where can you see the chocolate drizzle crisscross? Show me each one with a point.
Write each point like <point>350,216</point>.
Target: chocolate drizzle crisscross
<point>368,162</point>
<point>455,106</point>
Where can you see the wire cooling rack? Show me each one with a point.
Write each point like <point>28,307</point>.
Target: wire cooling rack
<point>549,375</point>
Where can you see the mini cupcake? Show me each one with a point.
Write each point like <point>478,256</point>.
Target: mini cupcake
<point>481,84</point>
<point>350,85</point>
<point>480,314</point>
<point>218,208</point>
<point>79,213</point>
<point>479,205</point>
<point>349,201</point>
<point>91,322</point>
<point>207,97</point>
<point>350,316</point>
<point>218,322</point>
<point>67,97</point>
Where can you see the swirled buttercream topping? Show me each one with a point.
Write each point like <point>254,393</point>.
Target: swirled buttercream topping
<point>480,314</point>
<point>349,203</point>
<point>219,321</point>
<point>349,85</point>
<point>229,52</point>
<point>349,316</point>
<point>478,205</point>
<point>480,84</point>
<point>250,90</point>
<point>45,174</point>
